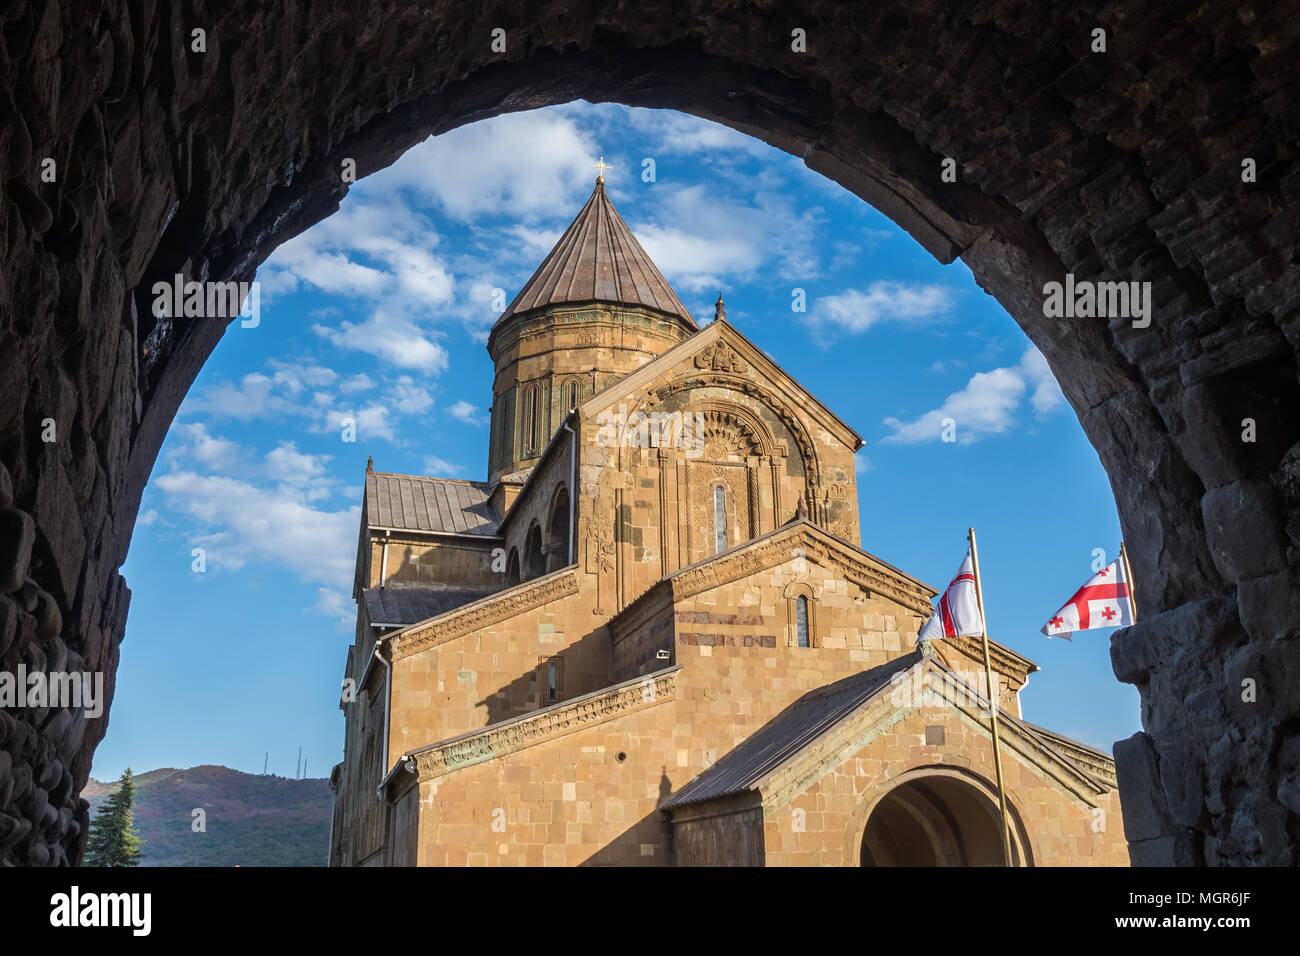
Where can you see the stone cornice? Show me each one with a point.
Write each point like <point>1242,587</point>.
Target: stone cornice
<point>482,613</point>
<point>1097,764</point>
<point>1004,660</point>
<point>854,566</point>
<point>581,713</point>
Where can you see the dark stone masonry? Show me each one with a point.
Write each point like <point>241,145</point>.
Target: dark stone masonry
<point>1134,164</point>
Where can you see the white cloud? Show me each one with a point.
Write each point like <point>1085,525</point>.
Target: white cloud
<point>986,406</point>
<point>467,413</point>
<point>380,252</point>
<point>702,240</point>
<point>681,134</point>
<point>392,338</point>
<point>317,395</point>
<point>855,311</point>
<point>238,521</point>
<point>515,165</point>
<point>334,603</point>
<point>437,467</point>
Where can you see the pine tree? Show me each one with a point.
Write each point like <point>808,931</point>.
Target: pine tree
<point>114,840</point>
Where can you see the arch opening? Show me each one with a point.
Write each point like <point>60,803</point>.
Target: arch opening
<point>557,533</point>
<point>853,113</point>
<point>937,819</point>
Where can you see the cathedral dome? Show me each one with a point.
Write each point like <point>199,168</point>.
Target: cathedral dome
<point>596,309</point>
<point>598,260</point>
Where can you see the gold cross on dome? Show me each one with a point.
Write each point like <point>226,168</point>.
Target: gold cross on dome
<point>601,166</point>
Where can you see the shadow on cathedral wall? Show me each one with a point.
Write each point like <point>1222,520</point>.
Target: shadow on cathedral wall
<point>653,830</point>
<point>582,667</point>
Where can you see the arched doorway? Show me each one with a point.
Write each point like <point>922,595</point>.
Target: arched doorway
<point>938,819</point>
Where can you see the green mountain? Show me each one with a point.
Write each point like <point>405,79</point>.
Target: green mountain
<point>252,820</point>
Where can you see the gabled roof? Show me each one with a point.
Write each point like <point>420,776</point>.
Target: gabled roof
<point>645,376</point>
<point>399,606</point>
<point>791,731</point>
<point>773,548</point>
<point>598,260</point>
<point>435,505</point>
<point>771,756</point>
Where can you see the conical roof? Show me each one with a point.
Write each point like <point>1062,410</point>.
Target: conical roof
<point>598,260</point>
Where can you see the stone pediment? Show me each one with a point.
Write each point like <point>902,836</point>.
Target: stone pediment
<point>799,538</point>
<point>828,725</point>
<point>717,356</point>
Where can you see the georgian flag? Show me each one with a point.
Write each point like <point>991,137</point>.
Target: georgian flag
<point>1104,601</point>
<point>959,611</point>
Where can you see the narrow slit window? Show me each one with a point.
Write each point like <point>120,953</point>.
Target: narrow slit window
<point>573,395</point>
<point>719,519</point>
<point>552,682</point>
<point>532,419</point>
<point>801,620</point>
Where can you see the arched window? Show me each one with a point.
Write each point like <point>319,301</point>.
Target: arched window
<point>512,568</point>
<point>549,679</point>
<point>571,396</point>
<point>507,423</point>
<point>801,615</point>
<point>719,519</point>
<point>533,418</point>
<point>530,419</point>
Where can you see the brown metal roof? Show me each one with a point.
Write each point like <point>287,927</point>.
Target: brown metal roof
<point>598,260</point>
<point>788,733</point>
<point>400,606</point>
<point>440,505</point>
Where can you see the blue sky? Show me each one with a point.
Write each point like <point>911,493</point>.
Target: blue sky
<point>380,314</point>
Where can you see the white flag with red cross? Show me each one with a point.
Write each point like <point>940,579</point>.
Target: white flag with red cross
<point>1104,601</point>
<point>958,614</point>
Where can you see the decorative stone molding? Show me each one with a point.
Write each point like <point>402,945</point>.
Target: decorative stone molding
<point>560,720</point>
<point>483,613</point>
<point>760,393</point>
<point>1005,662</point>
<point>776,551</point>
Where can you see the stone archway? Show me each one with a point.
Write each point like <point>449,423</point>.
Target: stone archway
<point>937,819</point>
<point>534,553</point>
<point>1116,166</point>
<point>557,532</point>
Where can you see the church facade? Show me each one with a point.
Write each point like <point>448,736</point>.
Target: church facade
<point>652,636</point>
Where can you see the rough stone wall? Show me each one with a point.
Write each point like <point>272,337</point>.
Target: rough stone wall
<point>1118,165</point>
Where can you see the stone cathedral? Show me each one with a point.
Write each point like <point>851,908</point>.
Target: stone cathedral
<point>652,637</point>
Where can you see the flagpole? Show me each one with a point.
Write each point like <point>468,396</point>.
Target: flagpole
<point>1128,578</point>
<point>993,700</point>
